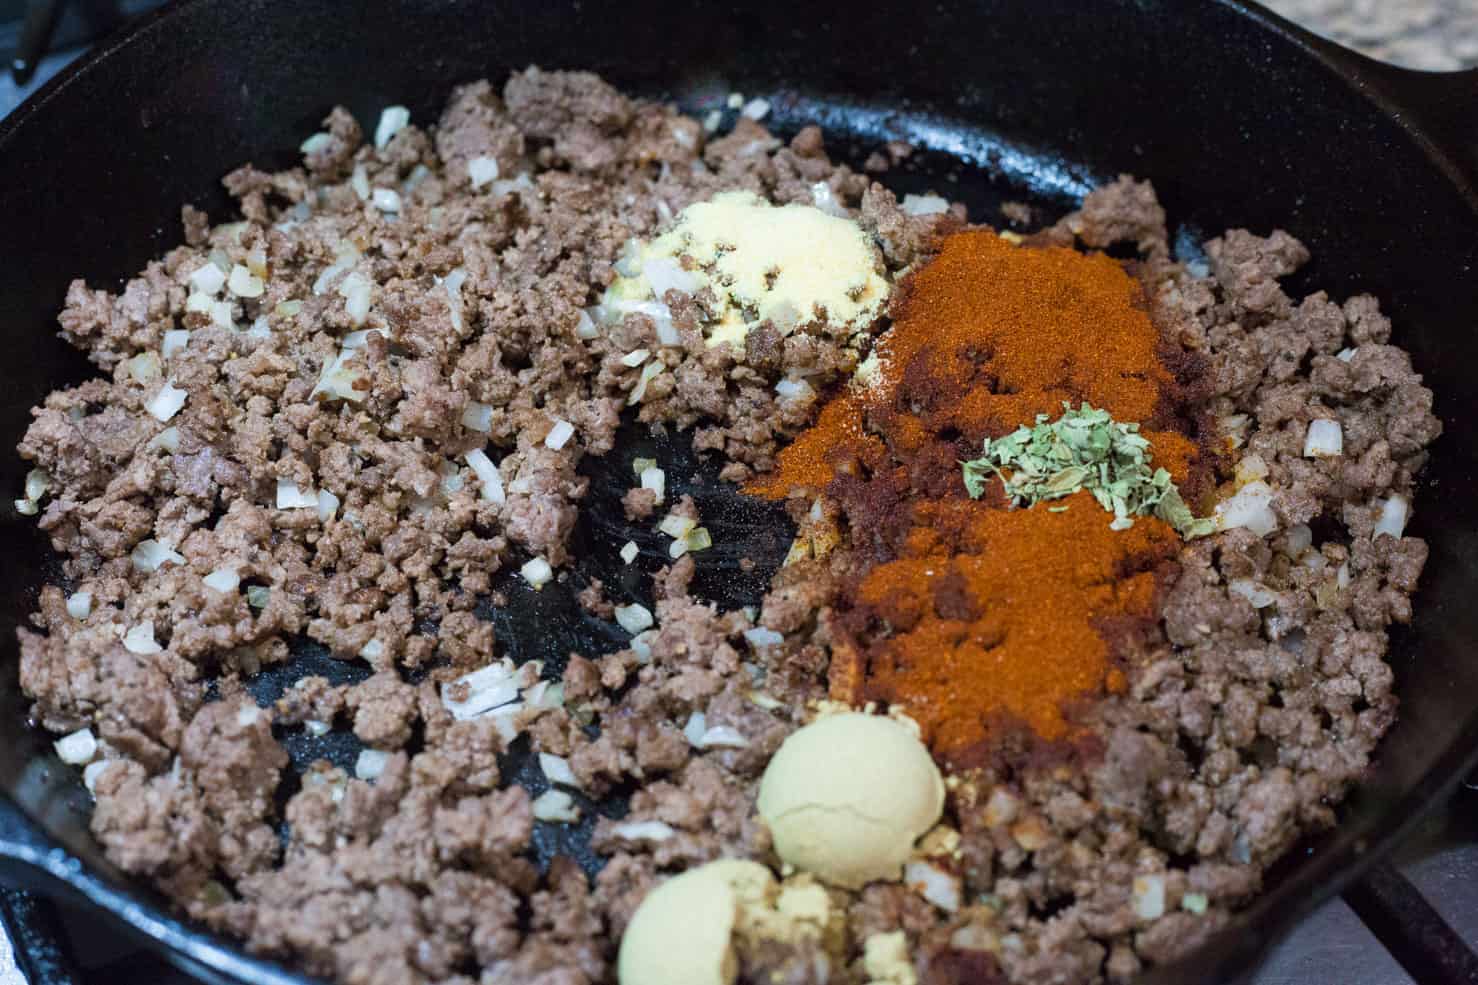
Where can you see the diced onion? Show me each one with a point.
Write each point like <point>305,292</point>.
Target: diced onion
<point>487,473</point>
<point>355,289</point>
<point>482,171</point>
<point>208,279</point>
<point>585,327</point>
<point>559,435</point>
<point>1324,439</point>
<point>77,748</point>
<point>648,372</point>
<point>140,639</point>
<point>634,618</point>
<point>756,109</point>
<point>393,119</point>
<point>93,772</point>
<point>223,580</point>
<point>244,283</point>
<point>643,831</point>
<point>1345,355</point>
<point>629,551</point>
<point>174,340</point>
<point>823,198</point>
<point>1393,515</point>
<point>635,358</point>
<point>328,505</point>
<point>373,650</point>
<point>641,645</point>
<point>151,555</point>
<point>359,181</point>
<point>79,605</point>
<point>290,497</point>
<point>1300,539</point>
<point>346,255</point>
<point>556,807</point>
<point>166,403</point>
<point>316,728</point>
<point>1194,902</point>
<point>761,636</point>
<point>694,729</point>
<point>260,329</point>
<point>698,539</point>
<point>722,737</point>
<point>676,525</point>
<point>677,549</point>
<point>488,688</point>
<point>370,764</point>
<point>477,417</point>
<point>654,479</point>
<point>386,199</point>
<point>1250,507</point>
<point>924,205</point>
<point>453,287</point>
<point>338,380</point>
<point>1250,468</point>
<point>145,367</point>
<point>794,390</point>
<point>537,573</point>
<point>315,143</point>
<point>1148,897</point>
<point>934,884</point>
<point>257,596</point>
<point>1259,595</point>
<point>557,769</point>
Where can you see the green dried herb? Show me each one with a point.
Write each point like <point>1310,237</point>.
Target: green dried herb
<point>1084,449</point>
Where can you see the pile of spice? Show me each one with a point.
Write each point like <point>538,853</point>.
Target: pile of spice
<point>970,615</point>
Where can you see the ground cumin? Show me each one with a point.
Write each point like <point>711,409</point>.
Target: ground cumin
<point>968,611</point>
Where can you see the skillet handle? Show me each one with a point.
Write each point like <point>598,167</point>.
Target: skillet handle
<point>1439,108</point>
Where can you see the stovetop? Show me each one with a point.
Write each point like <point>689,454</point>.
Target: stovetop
<point>1414,923</point>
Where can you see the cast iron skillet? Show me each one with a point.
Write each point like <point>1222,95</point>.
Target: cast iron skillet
<point>1239,118</point>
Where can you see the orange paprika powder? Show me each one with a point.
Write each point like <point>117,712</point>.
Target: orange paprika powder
<point>968,613</point>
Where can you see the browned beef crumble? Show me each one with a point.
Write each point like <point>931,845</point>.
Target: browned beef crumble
<point>1241,729</point>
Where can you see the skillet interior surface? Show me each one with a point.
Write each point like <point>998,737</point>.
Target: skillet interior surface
<point>1237,124</point>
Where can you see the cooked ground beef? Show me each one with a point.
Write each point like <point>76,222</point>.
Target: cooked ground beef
<point>1248,713</point>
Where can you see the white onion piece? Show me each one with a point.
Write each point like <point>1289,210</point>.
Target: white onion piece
<point>641,645</point>
<point>677,526</point>
<point>260,329</point>
<point>477,417</point>
<point>1250,507</point>
<point>559,435</point>
<point>79,605</point>
<point>174,340</point>
<point>823,198</point>
<point>370,764</point>
<point>482,171</point>
<point>585,327</point>
<point>245,284</point>
<point>453,287</point>
<point>208,279</point>
<point>1393,515</point>
<point>643,831</point>
<point>1300,539</point>
<point>1324,439</point>
<point>359,181</point>
<point>315,143</point>
<point>145,367</point>
<point>629,551</point>
<point>166,403</point>
<point>488,688</point>
<point>223,580</point>
<point>654,479</point>
<point>140,639</point>
<point>756,109</point>
<point>290,497</point>
<point>634,618</point>
<point>1148,897</point>
<point>338,379</point>
<point>373,650</point>
<point>648,372</point>
<point>487,473</point>
<point>151,555</point>
<point>1345,355</point>
<point>934,884</point>
<point>635,358</point>
<point>556,807</point>
<point>355,290</point>
<point>1259,595</point>
<point>77,748</point>
<point>393,119</point>
<point>722,737</point>
<point>557,770</point>
<point>1250,468</point>
<point>94,772</point>
<point>328,505</point>
<point>37,482</point>
<point>924,205</point>
<point>386,200</point>
<point>537,573</point>
<point>761,636</point>
<point>694,729</point>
